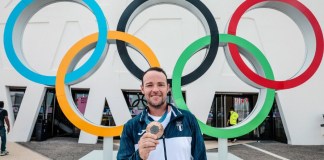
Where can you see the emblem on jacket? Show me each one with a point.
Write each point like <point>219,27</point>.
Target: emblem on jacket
<point>140,133</point>
<point>179,125</point>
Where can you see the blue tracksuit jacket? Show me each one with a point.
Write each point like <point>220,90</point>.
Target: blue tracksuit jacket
<point>182,138</point>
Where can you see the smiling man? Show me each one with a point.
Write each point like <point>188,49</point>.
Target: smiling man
<point>161,131</point>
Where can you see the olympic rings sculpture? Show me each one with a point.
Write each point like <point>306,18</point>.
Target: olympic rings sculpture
<point>197,7</point>
<point>263,68</point>
<point>66,66</point>
<point>16,25</point>
<point>311,31</point>
<point>232,44</point>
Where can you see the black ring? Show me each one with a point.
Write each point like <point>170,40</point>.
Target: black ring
<point>138,6</point>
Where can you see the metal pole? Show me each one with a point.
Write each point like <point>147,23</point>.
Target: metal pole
<point>222,149</point>
<point>225,112</point>
<point>108,148</point>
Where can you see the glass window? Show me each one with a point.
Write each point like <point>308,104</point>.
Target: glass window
<point>16,95</point>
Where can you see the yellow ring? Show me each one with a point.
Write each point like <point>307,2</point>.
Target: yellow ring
<point>75,117</point>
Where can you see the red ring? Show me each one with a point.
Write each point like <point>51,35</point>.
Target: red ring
<point>309,72</point>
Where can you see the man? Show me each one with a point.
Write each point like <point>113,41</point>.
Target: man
<point>232,120</point>
<point>3,118</point>
<point>143,136</point>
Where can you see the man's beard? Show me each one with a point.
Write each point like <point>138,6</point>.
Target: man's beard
<point>156,106</point>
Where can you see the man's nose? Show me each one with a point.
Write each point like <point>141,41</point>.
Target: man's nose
<point>155,88</point>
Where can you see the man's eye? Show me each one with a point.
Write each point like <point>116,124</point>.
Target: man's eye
<point>161,85</point>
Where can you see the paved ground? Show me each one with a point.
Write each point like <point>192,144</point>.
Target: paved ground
<point>279,151</point>
<point>69,149</point>
<point>19,152</point>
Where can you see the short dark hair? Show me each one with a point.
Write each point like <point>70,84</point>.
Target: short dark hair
<point>1,104</point>
<point>158,69</point>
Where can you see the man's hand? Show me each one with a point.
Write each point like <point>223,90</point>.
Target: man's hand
<point>7,122</point>
<point>146,144</point>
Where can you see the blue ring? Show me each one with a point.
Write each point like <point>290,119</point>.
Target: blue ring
<point>50,80</point>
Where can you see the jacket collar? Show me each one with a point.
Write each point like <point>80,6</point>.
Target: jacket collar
<point>175,113</point>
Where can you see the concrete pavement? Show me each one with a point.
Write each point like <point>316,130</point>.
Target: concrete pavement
<point>65,148</point>
<point>19,152</point>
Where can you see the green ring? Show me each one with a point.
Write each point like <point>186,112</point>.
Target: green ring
<point>259,113</point>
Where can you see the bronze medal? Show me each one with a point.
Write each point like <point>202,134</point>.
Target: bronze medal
<point>155,128</point>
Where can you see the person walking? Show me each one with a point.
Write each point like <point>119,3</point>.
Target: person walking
<point>232,120</point>
<point>3,119</point>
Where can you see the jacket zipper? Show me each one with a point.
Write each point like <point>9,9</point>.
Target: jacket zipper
<point>165,155</point>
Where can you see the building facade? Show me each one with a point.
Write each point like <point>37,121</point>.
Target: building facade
<point>288,37</point>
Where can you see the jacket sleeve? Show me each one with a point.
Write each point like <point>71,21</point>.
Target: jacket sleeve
<point>198,149</point>
<point>126,149</point>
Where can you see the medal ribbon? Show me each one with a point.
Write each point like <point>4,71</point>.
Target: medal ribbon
<point>147,120</point>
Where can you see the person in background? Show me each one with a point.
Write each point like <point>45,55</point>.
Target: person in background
<point>3,119</point>
<point>161,131</point>
<point>232,120</point>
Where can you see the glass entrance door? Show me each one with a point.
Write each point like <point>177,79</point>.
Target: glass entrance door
<point>242,107</point>
<point>242,103</point>
<point>278,130</point>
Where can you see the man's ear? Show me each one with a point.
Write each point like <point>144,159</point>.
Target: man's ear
<point>169,87</point>
<point>142,89</point>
